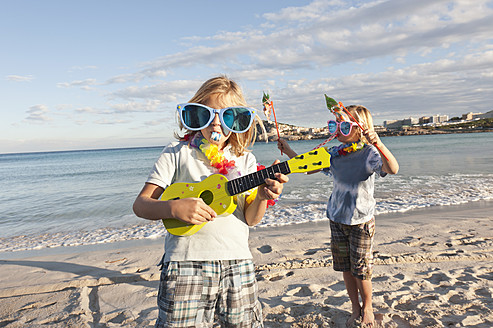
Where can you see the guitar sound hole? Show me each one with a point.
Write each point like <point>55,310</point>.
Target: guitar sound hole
<point>207,196</point>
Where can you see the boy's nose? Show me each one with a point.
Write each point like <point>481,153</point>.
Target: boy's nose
<point>216,119</point>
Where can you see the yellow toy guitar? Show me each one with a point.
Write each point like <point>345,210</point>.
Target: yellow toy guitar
<point>218,192</point>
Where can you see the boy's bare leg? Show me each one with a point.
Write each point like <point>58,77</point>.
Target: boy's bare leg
<point>365,289</point>
<point>352,290</point>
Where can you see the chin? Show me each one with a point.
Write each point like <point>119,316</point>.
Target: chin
<point>342,139</point>
<point>346,139</point>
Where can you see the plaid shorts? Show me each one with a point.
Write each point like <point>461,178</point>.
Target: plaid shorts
<point>352,248</point>
<point>192,293</point>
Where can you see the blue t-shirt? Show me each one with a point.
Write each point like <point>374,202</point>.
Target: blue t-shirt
<point>351,201</point>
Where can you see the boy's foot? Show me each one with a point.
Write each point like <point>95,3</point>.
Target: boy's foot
<point>355,315</point>
<point>367,318</point>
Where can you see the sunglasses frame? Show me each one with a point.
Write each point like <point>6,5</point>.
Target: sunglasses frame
<point>338,126</point>
<point>213,113</point>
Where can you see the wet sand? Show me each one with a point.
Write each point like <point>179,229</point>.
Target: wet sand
<point>433,268</point>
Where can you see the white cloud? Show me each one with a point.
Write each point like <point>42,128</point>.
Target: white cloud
<point>37,114</point>
<point>112,122</point>
<point>20,78</point>
<point>130,107</point>
<point>301,14</point>
<point>87,110</point>
<point>78,83</point>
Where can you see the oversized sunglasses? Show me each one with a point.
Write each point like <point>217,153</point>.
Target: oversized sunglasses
<point>345,127</point>
<point>236,119</point>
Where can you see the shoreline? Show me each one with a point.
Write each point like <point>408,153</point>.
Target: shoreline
<point>433,267</point>
<point>483,206</point>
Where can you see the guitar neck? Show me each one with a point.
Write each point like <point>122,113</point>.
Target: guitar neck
<point>252,180</point>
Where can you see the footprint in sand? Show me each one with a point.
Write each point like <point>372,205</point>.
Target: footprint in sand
<point>275,277</point>
<point>458,299</point>
<point>399,276</point>
<point>467,277</point>
<point>483,292</point>
<point>437,278</point>
<point>117,318</point>
<point>380,278</point>
<point>487,276</point>
<point>265,249</point>
<point>303,291</point>
<point>306,291</point>
<point>134,270</point>
<point>468,240</point>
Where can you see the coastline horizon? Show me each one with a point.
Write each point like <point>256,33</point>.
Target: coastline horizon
<point>384,135</point>
<point>481,208</point>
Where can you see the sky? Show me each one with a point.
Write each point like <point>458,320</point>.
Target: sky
<point>108,74</point>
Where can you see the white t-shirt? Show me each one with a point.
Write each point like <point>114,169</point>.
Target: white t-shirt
<point>225,238</point>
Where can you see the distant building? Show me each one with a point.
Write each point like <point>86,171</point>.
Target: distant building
<point>411,121</point>
<point>379,129</point>
<point>439,119</point>
<point>471,116</point>
<point>487,114</point>
<point>397,124</point>
<point>388,123</point>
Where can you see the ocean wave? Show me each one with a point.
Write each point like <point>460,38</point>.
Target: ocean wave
<point>78,210</point>
<point>284,213</point>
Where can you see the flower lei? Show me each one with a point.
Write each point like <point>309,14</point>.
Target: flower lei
<point>346,149</point>
<point>213,154</point>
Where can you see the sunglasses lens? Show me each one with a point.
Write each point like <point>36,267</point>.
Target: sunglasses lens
<point>195,117</point>
<point>345,128</point>
<point>332,126</point>
<point>237,119</point>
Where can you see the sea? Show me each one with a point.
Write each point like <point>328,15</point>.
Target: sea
<point>68,198</point>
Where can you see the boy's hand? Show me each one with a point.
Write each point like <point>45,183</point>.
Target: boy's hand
<point>372,137</point>
<point>282,144</point>
<point>272,189</point>
<point>192,210</point>
<point>284,147</point>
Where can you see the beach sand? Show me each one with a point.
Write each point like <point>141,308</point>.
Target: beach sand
<point>433,268</point>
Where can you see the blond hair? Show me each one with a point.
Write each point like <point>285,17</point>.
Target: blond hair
<point>363,117</point>
<point>228,94</point>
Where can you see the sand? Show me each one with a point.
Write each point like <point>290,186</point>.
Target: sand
<point>433,268</point>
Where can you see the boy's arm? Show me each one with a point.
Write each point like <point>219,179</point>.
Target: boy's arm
<point>284,147</point>
<point>389,166</point>
<point>189,210</point>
